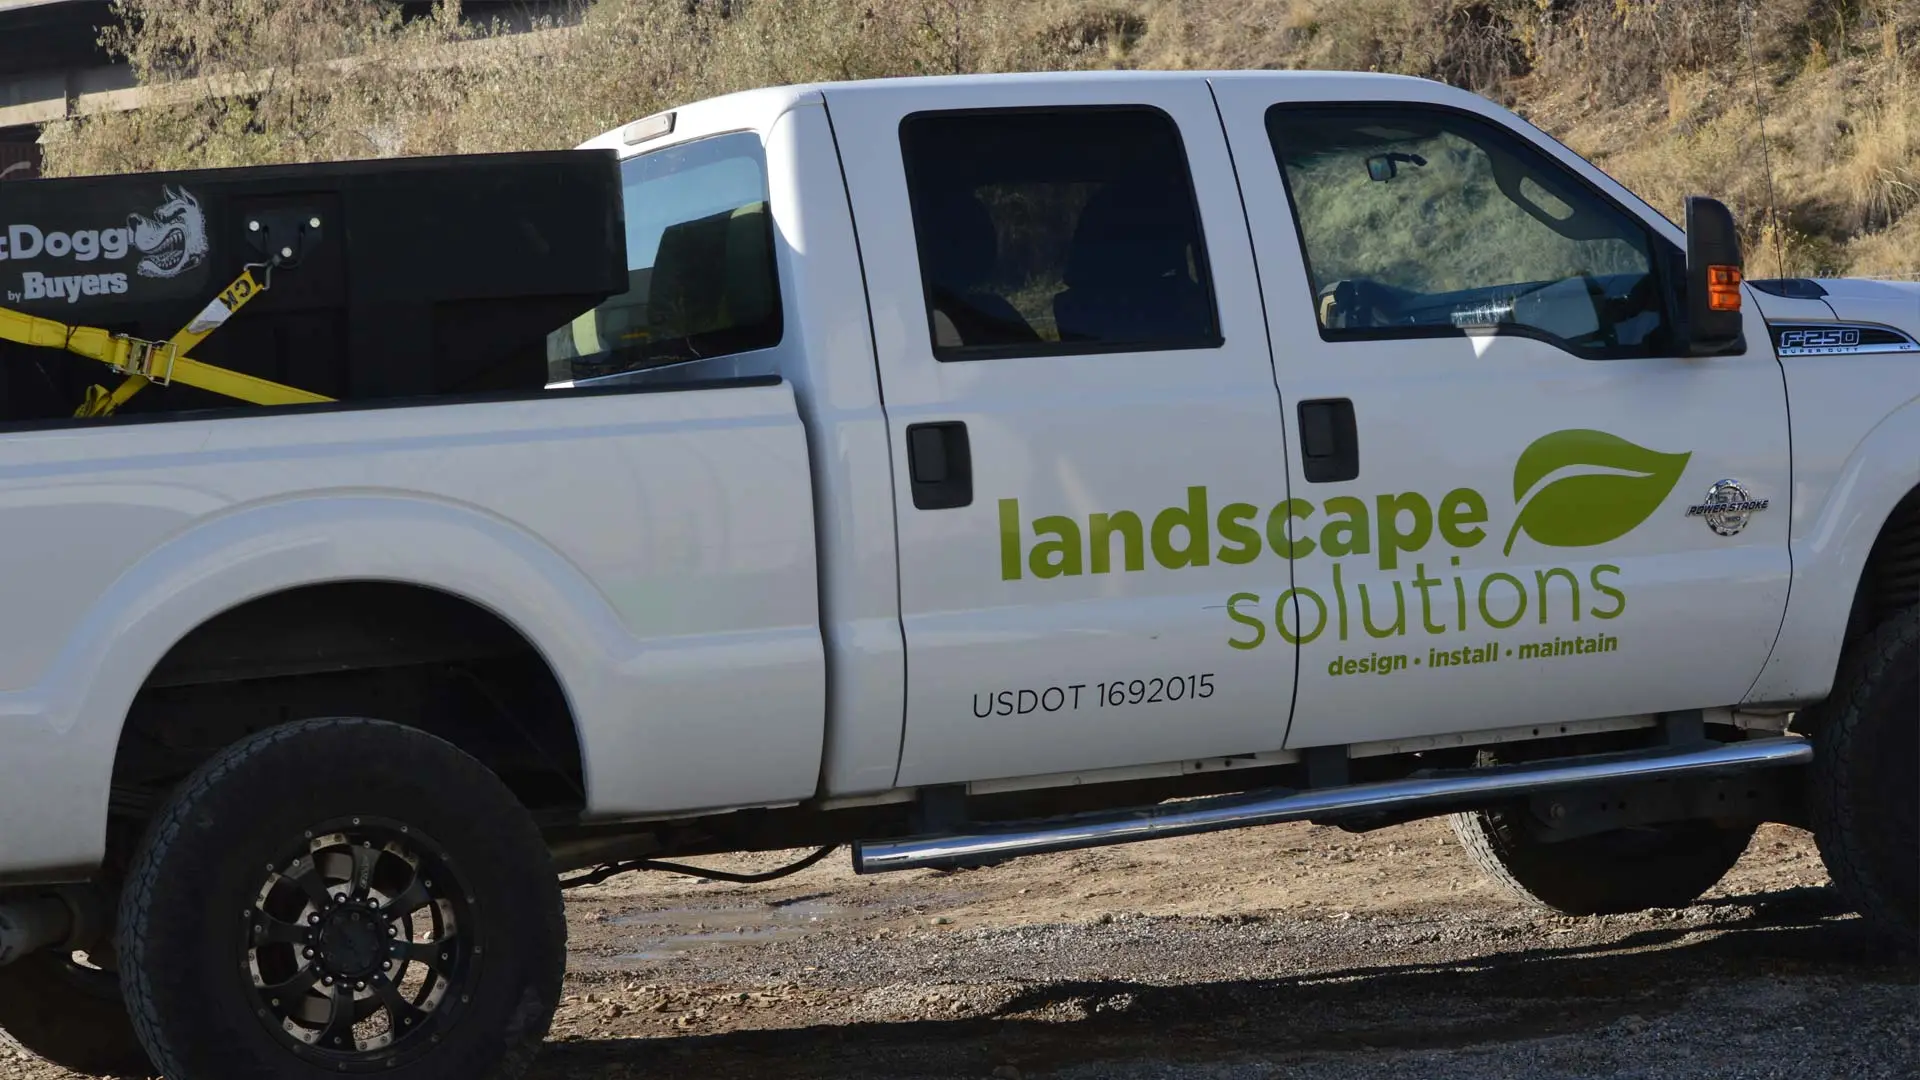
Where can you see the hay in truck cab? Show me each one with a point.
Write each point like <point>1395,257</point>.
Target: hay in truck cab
<point>956,468</point>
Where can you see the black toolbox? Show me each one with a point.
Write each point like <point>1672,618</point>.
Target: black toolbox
<point>399,278</point>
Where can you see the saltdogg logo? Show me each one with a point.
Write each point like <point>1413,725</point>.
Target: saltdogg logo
<point>172,241</point>
<point>169,242</point>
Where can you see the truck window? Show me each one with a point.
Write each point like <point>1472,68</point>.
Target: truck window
<point>1422,222</point>
<point>701,274</point>
<point>1056,231</point>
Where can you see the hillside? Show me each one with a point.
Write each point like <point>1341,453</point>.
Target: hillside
<point>1804,115</point>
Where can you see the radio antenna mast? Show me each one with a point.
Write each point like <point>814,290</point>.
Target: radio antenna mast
<point>1766,148</point>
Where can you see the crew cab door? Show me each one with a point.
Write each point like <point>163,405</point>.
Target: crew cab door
<point>1085,427</point>
<point>1494,511</point>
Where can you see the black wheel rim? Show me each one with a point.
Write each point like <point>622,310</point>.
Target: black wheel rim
<point>360,944</point>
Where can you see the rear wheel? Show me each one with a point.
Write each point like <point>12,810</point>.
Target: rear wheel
<point>1610,873</point>
<point>1666,865</point>
<point>338,897</point>
<point>1866,765</point>
<point>71,1014</point>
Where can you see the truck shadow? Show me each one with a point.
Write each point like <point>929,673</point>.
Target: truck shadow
<point>1523,993</point>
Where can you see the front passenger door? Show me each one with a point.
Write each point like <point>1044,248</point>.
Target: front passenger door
<point>1517,542</point>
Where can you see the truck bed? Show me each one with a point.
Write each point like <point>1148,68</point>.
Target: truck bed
<point>656,546</point>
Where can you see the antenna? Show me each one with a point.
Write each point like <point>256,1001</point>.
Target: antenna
<point>1766,149</point>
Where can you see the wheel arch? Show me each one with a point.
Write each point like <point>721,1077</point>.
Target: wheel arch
<point>1865,542</point>
<point>1890,579</point>
<point>69,724</point>
<point>416,654</point>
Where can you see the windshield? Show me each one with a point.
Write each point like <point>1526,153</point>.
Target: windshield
<point>700,270</point>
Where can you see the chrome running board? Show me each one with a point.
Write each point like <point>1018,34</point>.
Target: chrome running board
<point>1439,792</point>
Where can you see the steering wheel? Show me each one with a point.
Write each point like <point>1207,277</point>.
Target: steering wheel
<point>1607,334</point>
<point>1605,331</point>
<point>1611,313</point>
<point>1640,299</point>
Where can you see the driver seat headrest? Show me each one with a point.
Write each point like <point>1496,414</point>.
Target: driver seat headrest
<point>1128,276</point>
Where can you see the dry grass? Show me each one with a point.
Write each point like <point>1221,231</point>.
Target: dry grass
<point>1668,95</point>
<point>1878,172</point>
<point>1383,232</point>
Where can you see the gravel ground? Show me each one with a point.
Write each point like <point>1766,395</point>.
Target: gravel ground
<point>1292,951</point>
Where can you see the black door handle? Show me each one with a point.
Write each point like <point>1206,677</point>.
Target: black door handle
<point>939,465</point>
<point>1329,444</point>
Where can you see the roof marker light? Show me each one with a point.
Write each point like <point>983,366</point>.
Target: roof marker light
<point>650,128</point>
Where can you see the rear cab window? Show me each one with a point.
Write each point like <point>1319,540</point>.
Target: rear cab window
<point>1056,231</point>
<point>701,274</point>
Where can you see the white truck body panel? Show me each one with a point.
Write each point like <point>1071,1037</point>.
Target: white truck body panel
<point>657,549</point>
<point>744,607</point>
<point>827,354</point>
<point>1846,481</point>
<point>1688,616</point>
<point>1852,463</point>
<point>1072,436</point>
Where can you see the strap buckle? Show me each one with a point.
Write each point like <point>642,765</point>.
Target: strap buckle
<point>150,360</point>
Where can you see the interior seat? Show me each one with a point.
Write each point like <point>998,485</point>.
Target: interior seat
<point>1128,278</point>
<point>960,250</point>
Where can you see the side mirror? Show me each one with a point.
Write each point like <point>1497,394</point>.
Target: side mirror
<point>1714,273</point>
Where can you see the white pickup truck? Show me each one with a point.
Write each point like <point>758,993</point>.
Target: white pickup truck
<point>976,467</point>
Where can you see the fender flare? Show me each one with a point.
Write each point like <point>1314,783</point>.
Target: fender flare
<point>248,552</point>
<point>1830,554</point>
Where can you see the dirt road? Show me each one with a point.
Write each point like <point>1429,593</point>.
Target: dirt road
<point>1289,951</point>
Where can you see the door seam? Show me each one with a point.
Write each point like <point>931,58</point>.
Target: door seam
<point>1280,399</point>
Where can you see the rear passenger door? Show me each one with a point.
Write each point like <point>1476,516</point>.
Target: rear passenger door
<point>1087,436</point>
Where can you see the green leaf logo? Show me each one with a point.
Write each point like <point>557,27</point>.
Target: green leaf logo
<point>1586,508</point>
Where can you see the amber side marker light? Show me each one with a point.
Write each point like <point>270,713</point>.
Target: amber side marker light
<point>1723,288</point>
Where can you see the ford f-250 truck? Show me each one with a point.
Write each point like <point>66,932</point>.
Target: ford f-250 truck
<point>974,467</point>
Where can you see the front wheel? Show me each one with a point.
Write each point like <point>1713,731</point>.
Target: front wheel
<point>339,897</point>
<point>1866,760</point>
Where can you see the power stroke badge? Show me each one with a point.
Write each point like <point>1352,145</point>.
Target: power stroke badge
<point>65,258</point>
<point>1728,507</point>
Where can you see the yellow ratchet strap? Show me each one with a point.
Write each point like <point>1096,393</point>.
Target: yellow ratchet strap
<point>161,362</point>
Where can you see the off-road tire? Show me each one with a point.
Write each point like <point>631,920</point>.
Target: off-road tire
<point>1611,873</point>
<point>193,887</point>
<point>1863,798</point>
<point>70,1015</point>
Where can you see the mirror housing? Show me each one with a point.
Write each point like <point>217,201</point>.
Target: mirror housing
<point>1714,274</point>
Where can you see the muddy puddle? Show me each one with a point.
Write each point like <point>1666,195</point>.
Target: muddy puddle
<point>673,932</point>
